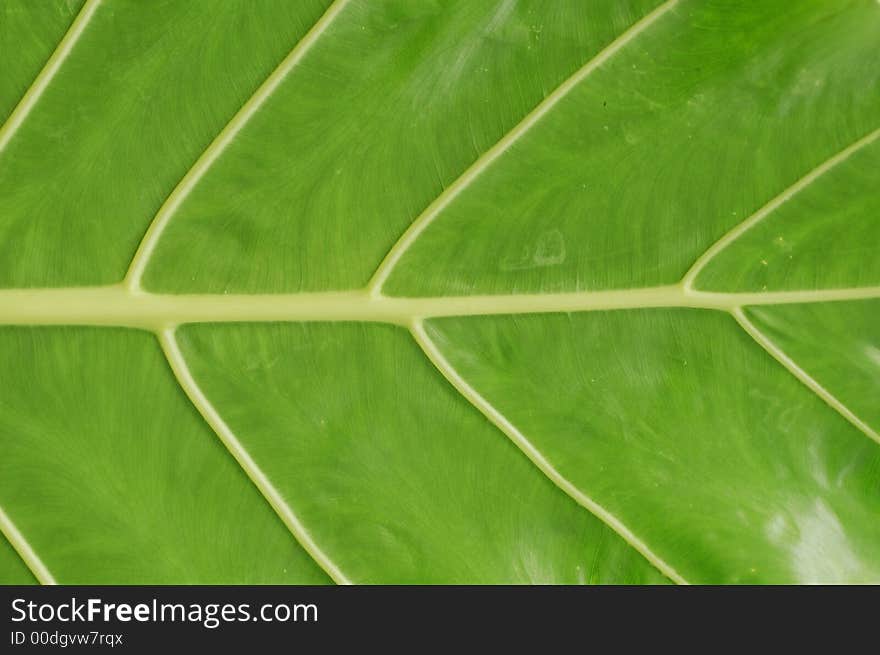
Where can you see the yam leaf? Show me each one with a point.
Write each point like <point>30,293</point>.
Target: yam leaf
<point>449,291</point>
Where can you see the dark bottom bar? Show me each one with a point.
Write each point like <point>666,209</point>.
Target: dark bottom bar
<point>144,619</point>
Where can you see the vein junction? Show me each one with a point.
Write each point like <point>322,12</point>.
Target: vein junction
<point>120,306</point>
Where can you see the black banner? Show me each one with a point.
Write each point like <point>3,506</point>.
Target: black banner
<point>147,619</point>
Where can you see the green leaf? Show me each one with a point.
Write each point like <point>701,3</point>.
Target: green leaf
<point>12,567</point>
<point>440,292</point>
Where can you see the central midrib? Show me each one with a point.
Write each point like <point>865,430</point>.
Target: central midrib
<point>119,306</point>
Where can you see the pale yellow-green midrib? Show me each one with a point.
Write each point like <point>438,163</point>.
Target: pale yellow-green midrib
<point>119,306</point>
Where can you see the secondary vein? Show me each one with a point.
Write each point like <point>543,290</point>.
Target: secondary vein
<point>195,394</point>
<point>33,94</point>
<point>490,156</point>
<point>221,142</point>
<point>25,551</point>
<point>435,355</point>
<point>737,231</point>
<point>811,383</point>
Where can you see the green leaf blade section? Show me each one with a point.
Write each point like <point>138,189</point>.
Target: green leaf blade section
<point>694,443</point>
<point>142,92</point>
<point>12,568</point>
<point>701,119</point>
<point>29,32</point>
<point>836,344</point>
<point>113,478</point>
<point>726,466</point>
<point>389,105</point>
<point>395,476</point>
<point>825,237</point>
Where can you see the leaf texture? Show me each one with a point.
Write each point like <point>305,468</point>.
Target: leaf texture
<point>440,292</point>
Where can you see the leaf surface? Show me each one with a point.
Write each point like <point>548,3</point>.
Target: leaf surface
<point>440,292</point>
<point>29,32</point>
